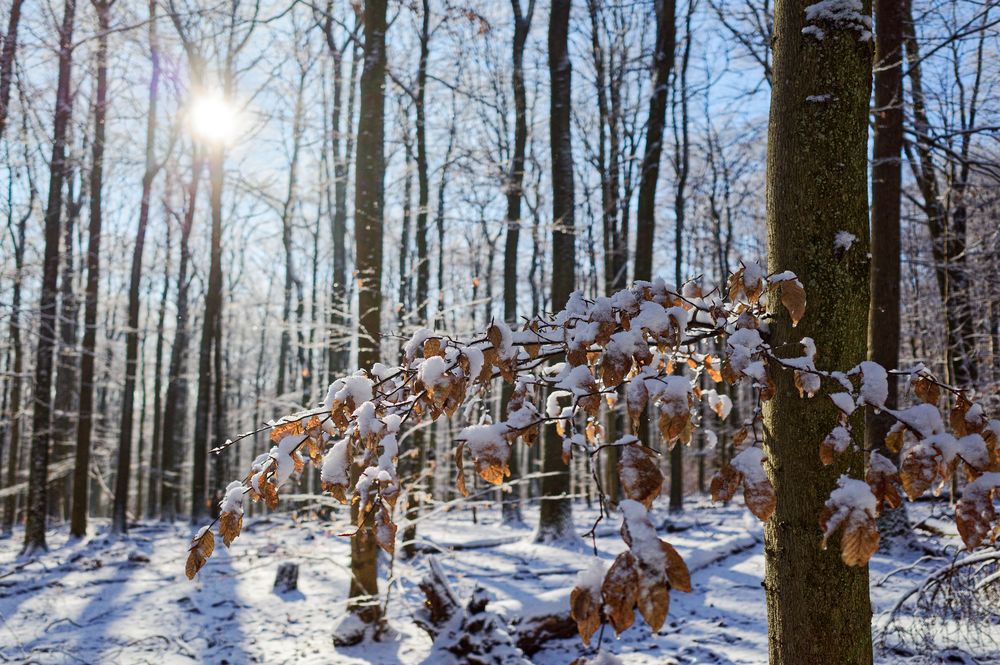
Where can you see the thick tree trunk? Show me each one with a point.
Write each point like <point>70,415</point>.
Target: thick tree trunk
<point>555,515</point>
<point>369,196</point>
<point>124,468</point>
<point>81,469</point>
<point>818,608</point>
<point>34,534</point>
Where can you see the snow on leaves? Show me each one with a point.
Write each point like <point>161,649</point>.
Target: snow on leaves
<point>747,469</point>
<point>852,509</point>
<point>640,578</point>
<point>642,342</point>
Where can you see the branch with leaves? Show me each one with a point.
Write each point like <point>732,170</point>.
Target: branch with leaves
<point>564,365</point>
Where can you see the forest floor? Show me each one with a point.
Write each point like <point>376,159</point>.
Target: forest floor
<point>103,600</point>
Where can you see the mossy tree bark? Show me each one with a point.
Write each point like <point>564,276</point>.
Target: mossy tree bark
<point>818,609</point>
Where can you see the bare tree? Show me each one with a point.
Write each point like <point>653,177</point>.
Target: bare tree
<point>81,469</point>
<point>34,533</point>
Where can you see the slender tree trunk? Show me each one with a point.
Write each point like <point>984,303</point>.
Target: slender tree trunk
<point>683,161</point>
<point>13,414</point>
<point>342,143</point>
<point>511,505</point>
<point>818,608</point>
<point>34,534</point>
<point>423,179</point>
<point>153,505</point>
<point>7,54</point>
<point>884,316</point>
<point>175,404</point>
<point>124,468</point>
<point>64,402</point>
<point>555,520</point>
<point>81,469</point>
<point>286,241</point>
<point>663,62</point>
<point>211,326</point>
<point>369,197</point>
<point>947,237</point>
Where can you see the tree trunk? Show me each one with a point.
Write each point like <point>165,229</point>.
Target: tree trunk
<point>34,533</point>
<point>369,195</point>
<point>884,317</point>
<point>338,351</point>
<point>555,517</point>
<point>175,404</point>
<point>120,510</point>
<point>948,239</point>
<point>7,54</point>
<point>423,179</point>
<point>663,62</point>
<point>211,326</point>
<point>511,505</point>
<point>153,506</point>
<point>818,608</point>
<point>13,415</point>
<point>286,242</point>
<point>81,468</point>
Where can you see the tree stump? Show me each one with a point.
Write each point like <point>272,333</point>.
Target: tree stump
<point>287,578</point>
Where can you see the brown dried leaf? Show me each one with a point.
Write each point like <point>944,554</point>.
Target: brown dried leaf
<point>859,542</point>
<point>653,599</point>
<point>294,428</point>
<point>918,469</point>
<point>615,366</point>
<point>883,481</point>
<point>269,492</point>
<point>620,591</point>
<point>460,467</point>
<point>230,525</point>
<point>385,531</point>
<point>432,347</point>
<point>677,570</point>
<point>894,439</point>
<point>585,609</point>
<point>793,297</point>
<point>927,390</point>
<point>957,416</point>
<point>760,499</point>
<point>201,549</point>
<point>639,472</point>
<point>725,482</point>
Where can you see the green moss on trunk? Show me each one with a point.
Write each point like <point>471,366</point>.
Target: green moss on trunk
<point>818,609</point>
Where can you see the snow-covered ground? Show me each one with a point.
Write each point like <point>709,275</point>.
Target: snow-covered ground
<point>128,601</point>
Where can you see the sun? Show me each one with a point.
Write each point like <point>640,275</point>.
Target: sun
<point>213,118</point>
